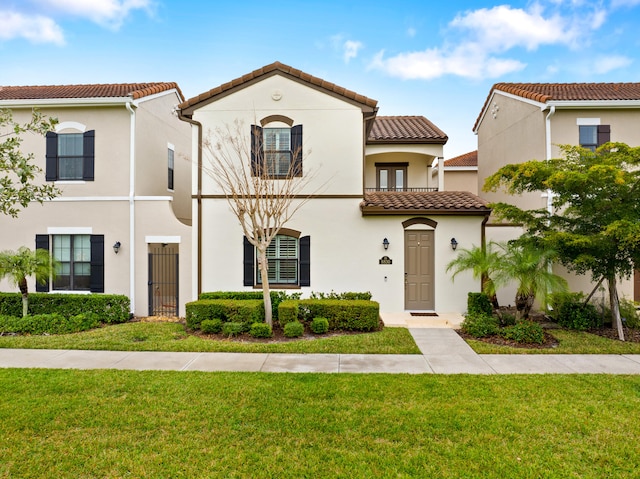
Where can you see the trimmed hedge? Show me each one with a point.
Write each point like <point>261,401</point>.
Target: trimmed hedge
<point>479,303</point>
<point>349,315</point>
<point>480,325</point>
<point>294,329</point>
<point>276,297</point>
<point>246,312</point>
<point>110,308</point>
<point>48,323</point>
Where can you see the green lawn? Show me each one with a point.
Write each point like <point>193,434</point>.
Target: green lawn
<point>142,336</point>
<point>114,424</point>
<point>571,342</point>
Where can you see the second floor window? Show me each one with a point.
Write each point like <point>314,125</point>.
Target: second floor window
<point>276,152</point>
<point>70,156</point>
<point>592,136</point>
<point>391,177</point>
<point>170,156</point>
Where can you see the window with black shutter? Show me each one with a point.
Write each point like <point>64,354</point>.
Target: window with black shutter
<point>276,152</point>
<point>288,260</point>
<point>70,156</point>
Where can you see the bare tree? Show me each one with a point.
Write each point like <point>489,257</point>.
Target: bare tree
<point>264,186</point>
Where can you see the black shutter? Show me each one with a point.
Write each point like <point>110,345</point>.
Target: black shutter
<point>296,150</point>
<point>257,153</point>
<point>42,242</point>
<point>305,261</point>
<point>89,155</point>
<point>604,134</point>
<point>96,284</point>
<point>51,168</point>
<point>248,262</point>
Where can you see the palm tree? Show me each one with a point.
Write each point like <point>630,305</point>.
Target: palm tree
<point>483,263</point>
<point>529,266</point>
<point>18,266</point>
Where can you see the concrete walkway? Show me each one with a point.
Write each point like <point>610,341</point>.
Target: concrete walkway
<point>443,352</point>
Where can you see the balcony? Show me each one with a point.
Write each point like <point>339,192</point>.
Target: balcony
<point>410,190</point>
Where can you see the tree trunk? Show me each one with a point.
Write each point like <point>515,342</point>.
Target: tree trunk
<point>266,295</point>
<point>523,305</point>
<point>486,286</point>
<point>615,306</point>
<point>24,289</point>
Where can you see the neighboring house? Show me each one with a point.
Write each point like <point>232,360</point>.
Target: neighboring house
<point>527,121</point>
<point>371,184</point>
<point>461,173</point>
<point>122,223</point>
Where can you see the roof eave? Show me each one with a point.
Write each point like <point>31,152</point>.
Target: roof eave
<point>30,102</point>
<point>594,103</point>
<point>412,141</point>
<point>380,211</point>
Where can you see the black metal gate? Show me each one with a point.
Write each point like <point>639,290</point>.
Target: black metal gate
<point>163,279</point>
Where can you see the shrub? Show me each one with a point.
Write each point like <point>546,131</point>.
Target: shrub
<point>261,330</point>
<point>232,328</point>
<point>287,312</point>
<point>629,313</point>
<point>319,325</point>
<point>579,316</point>
<point>366,296</point>
<point>233,310</point>
<point>48,323</point>
<point>211,326</point>
<point>524,332</point>
<point>507,319</point>
<point>479,303</point>
<point>294,329</point>
<point>480,325</point>
<point>109,308</point>
<point>276,297</point>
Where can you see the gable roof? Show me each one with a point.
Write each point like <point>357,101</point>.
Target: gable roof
<point>609,93</point>
<point>275,68</point>
<point>468,159</point>
<point>433,202</point>
<point>405,129</point>
<point>113,90</point>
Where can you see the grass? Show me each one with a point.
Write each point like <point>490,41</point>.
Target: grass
<point>571,342</point>
<point>141,336</point>
<point>108,424</point>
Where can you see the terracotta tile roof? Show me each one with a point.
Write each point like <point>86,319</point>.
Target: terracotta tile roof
<point>114,90</point>
<point>272,69</point>
<point>435,202</point>
<point>546,92</point>
<point>468,159</point>
<point>403,129</point>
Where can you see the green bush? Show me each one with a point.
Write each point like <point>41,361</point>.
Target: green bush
<point>480,325</point>
<point>261,330</point>
<point>579,316</point>
<point>524,332</point>
<point>109,308</point>
<point>276,297</point>
<point>232,328</point>
<point>366,296</point>
<point>319,325</point>
<point>288,312</point>
<point>211,326</point>
<point>346,315</point>
<point>294,329</point>
<point>507,319</point>
<point>629,313</point>
<point>479,303</point>
<point>48,323</point>
<point>228,310</point>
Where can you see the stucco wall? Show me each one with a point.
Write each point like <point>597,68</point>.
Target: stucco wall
<point>455,180</point>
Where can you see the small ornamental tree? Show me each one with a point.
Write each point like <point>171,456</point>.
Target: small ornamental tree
<point>17,266</point>
<point>483,263</point>
<point>261,192</point>
<point>594,222</point>
<point>17,170</point>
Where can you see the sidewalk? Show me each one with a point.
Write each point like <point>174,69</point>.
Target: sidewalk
<point>443,352</point>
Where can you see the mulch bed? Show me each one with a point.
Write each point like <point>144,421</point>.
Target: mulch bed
<point>549,341</point>
<point>630,335</point>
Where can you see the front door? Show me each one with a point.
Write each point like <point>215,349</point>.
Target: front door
<point>418,270</point>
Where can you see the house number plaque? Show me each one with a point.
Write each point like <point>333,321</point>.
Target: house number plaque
<point>386,260</point>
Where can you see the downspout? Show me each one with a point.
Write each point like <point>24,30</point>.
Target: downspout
<point>440,173</point>
<point>552,111</point>
<point>132,207</point>
<point>198,196</point>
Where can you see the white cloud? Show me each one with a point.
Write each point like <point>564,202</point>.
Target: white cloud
<point>624,3</point>
<point>110,13</point>
<point>35,28</point>
<point>606,64</point>
<point>35,20</point>
<point>351,49</point>
<point>483,36</point>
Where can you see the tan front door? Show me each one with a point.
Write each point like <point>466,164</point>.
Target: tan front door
<point>418,270</point>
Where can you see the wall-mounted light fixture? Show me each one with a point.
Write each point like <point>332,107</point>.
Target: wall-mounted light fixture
<point>454,244</point>
<point>385,243</point>
<point>116,247</point>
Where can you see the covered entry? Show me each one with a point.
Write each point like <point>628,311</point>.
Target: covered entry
<point>163,279</point>
<point>419,270</point>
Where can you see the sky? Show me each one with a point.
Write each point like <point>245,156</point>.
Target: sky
<point>436,59</point>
